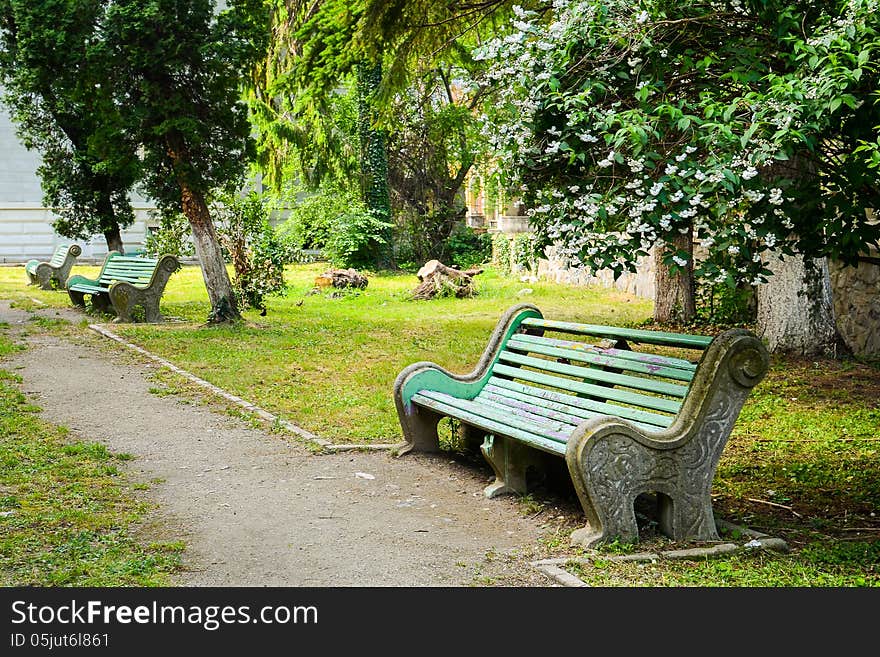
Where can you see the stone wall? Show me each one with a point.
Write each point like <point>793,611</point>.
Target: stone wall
<point>640,283</point>
<point>857,305</point>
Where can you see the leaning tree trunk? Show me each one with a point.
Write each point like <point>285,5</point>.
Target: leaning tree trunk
<point>223,304</point>
<point>674,298</point>
<point>796,310</point>
<point>224,307</point>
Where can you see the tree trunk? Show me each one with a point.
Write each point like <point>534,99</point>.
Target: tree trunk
<point>114,239</point>
<point>674,298</point>
<point>223,304</point>
<point>795,308</point>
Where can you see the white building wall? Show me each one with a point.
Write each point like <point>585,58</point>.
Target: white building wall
<point>26,225</point>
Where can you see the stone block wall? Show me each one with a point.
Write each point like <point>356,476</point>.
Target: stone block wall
<point>856,294</point>
<point>640,283</point>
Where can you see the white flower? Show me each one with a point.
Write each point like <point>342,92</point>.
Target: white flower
<point>749,173</point>
<point>733,249</point>
<point>643,17</point>
<point>681,262</point>
<point>656,189</point>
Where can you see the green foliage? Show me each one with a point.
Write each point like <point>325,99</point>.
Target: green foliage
<point>53,83</point>
<point>257,252</point>
<point>724,305</point>
<point>750,122</point>
<point>172,237</point>
<point>523,252</point>
<point>432,147</point>
<point>310,220</point>
<point>358,237</point>
<point>501,249</point>
<point>177,83</point>
<point>467,248</point>
<point>512,255</point>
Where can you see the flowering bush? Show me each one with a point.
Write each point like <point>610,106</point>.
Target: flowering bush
<point>748,124</point>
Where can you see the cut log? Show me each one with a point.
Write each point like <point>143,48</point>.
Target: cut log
<point>341,278</point>
<point>438,279</point>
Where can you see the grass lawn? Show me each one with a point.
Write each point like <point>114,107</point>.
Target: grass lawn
<point>68,517</point>
<point>803,462</point>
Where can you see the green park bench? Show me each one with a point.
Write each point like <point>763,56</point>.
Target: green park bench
<point>124,283</point>
<point>627,422</point>
<point>56,270</point>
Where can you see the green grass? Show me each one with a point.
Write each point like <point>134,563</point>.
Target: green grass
<point>68,516</point>
<point>803,462</point>
<point>815,565</point>
<point>329,364</point>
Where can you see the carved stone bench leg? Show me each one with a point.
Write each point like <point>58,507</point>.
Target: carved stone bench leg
<point>101,303</point>
<point>419,429</point>
<point>611,466</point>
<point>77,298</point>
<point>43,275</point>
<point>510,460</point>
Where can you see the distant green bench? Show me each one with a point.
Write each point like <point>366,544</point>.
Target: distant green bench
<point>124,283</point>
<point>56,270</point>
<point>627,422</point>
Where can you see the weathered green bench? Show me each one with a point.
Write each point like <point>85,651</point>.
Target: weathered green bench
<point>627,422</point>
<point>125,283</point>
<point>56,270</point>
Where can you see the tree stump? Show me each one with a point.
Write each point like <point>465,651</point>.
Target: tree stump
<point>341,278</point>
<point>439,280</point>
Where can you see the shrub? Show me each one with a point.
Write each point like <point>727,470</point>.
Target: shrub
<point>258,254</point>
<point>467,248</point>
<point>171,238</point>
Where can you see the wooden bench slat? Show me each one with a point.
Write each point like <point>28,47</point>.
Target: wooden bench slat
<point>536,345</point>
<point>535,440</point>
<point>576,406</point>
<point>593,390</point>
<point>655,359</point>
<point>635,335</point>
<point>525,411</point>
<point>539,426</point>
<point>530,410</point>
<point>593,374</point>
<point>83,287</point>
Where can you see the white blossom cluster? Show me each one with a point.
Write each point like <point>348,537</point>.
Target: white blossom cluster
<point>594,159</point>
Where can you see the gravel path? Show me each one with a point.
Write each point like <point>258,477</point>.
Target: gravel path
<point>257,509</point>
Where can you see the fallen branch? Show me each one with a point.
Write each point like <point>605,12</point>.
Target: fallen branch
<point>778,506</point>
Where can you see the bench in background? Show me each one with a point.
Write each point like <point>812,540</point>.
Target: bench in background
<point>125,283</point>
<point>56,270</point>
<point>626,422</point>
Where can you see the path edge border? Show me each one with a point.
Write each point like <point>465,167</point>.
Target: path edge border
<point>295,429</point>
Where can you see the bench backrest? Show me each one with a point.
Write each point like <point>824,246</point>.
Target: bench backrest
<point>60,255</point>
<point>135,270</point>
<point>584,366</point>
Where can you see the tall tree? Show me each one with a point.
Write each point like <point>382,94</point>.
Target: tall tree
<point>374,47</point>
<point>748,123</point>
<point>52,78</point>
<point>178,67</point>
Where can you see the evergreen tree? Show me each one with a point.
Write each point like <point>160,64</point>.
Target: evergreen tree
<point>52,78</point>
<point>177,70</point>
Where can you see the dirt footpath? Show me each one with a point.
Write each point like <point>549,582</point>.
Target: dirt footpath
<point>258,509</point>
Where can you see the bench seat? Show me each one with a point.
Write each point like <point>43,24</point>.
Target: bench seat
<point>627,421</point>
